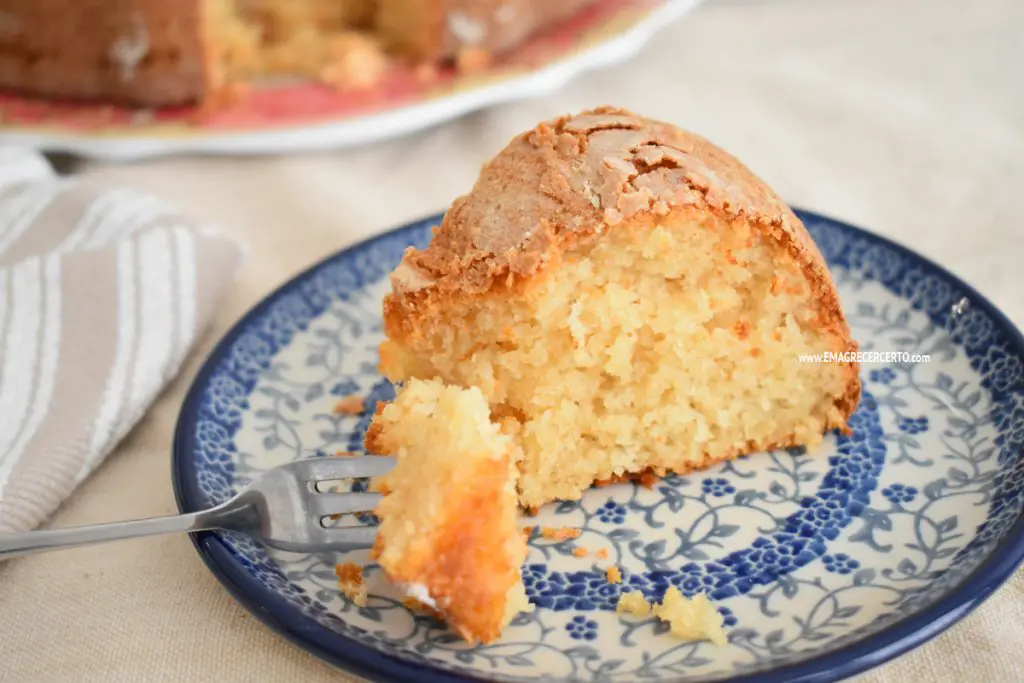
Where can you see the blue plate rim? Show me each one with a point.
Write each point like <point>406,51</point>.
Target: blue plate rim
<point>279,614</point>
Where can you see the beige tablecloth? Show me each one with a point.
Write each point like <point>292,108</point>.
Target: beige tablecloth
<point>904,116</point>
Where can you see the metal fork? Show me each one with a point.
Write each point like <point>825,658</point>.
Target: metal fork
<point>282,509</point>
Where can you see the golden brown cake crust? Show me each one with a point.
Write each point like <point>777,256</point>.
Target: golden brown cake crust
<point>147,52</point>
<point>567,181</point>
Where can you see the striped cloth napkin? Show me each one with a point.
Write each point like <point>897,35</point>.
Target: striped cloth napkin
<point>103,290</point>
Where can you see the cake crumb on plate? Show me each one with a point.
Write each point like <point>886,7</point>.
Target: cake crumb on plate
<point>350,579</point>
<point>350,405</point>
<point>693,618</point>
<point>634,603</point>
<point>558,533</point>
<point>689,619</point>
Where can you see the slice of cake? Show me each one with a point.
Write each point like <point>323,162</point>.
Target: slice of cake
<point>630,296</point>
<point>449,529</point>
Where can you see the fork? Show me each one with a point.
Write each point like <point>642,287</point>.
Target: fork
<point>283,508</point>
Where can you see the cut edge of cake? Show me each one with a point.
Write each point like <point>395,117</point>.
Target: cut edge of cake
<point>550,200</point>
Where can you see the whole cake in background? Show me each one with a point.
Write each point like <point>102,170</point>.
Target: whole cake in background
<point>158,53</point>
<point>627,297</point>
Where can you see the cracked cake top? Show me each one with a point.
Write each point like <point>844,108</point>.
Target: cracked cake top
<point>570,179</point>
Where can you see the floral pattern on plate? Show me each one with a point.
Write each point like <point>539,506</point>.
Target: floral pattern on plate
<point>802,553</point>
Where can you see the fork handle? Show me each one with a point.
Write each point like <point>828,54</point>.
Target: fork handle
<point>25,543</point>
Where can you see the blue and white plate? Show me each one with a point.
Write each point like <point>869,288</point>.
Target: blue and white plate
<point>824,564</point>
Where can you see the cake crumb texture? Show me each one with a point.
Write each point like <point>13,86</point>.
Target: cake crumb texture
<point>633,298</point>
<point>693,618</point>
<point>689,619</point>
<point>559,533</point>
<point>351,582</point>
<point>449,518</point>
<point>356,62</point>
<point>633,603</point>
<point>160,53</point>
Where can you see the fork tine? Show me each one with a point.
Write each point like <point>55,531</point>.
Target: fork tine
<point>342,467</point>
<point>323,504</point>
<point>349,538</point>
